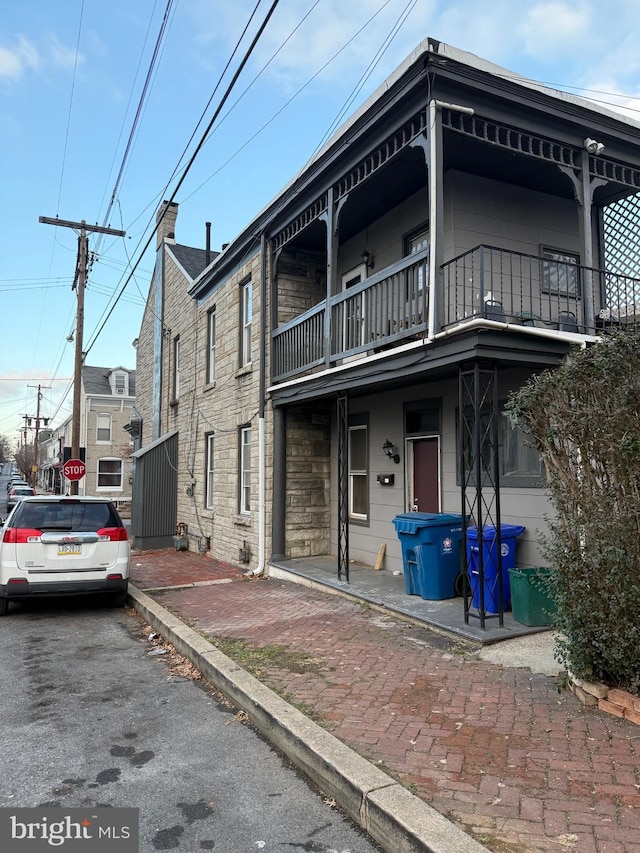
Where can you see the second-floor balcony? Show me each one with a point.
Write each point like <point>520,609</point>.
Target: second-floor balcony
<point>551,292</point>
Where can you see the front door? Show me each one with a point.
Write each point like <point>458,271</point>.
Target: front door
<point>353,310</point>
<point>424,474</point>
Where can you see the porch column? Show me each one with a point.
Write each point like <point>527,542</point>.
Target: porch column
<point>332,271</point>
<point>436,217</point>
<point>278,509</point>
<point>586,236</point>
<point>343,486</point>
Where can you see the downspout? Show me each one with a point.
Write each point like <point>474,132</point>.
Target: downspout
<point>262,473</point>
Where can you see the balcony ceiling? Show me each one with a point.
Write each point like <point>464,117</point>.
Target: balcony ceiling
<point>406,174</point>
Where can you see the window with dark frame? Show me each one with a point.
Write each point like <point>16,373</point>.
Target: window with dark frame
<point>519,463</point>
<point>560,273</point>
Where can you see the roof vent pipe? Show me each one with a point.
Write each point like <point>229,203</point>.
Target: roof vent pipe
<point>207,250</point>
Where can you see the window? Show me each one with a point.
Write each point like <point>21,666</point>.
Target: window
<point>353,309</point>
<point>211,345</point>
<point>176,367</point>
<point>519,463</point>
<point>121,383</point>
<point>245,470</point>
<point>246,316</point>
<point>358,473</point>
<point>109,473</point>
<point>560,272</point>
<point>414,242</point>
<point>103,427</point>
<point>208,498</point>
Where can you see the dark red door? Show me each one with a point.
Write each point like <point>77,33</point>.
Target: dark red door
<point>426,481</point>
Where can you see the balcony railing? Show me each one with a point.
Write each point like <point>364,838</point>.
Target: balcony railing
<point>380,311</point>
<point>392,306</point>
<point>536,291</point>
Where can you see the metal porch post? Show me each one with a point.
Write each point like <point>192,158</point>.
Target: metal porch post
<point>343,486</point>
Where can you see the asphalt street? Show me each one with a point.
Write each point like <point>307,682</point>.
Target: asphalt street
<point>96,715</point>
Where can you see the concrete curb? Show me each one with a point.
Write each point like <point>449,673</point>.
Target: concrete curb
<point>396,820</point>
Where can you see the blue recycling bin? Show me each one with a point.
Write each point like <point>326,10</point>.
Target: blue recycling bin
<point>491,564</point>
<point>430,544</point>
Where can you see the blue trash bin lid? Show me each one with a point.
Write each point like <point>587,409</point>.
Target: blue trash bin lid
<point>411,522</point>
<point>507,531</point>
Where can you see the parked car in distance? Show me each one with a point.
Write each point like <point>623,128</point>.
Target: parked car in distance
<point>56,545</point>
<point>18,493</point>
<point>16,481</point>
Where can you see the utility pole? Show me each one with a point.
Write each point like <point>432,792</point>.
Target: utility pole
<point>79,284</point>
<point>28,419</point>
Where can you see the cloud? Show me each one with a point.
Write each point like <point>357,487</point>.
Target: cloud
<point>555,26</point>
<point>24,55</point>
<point>16,59</point>
<point>61,56</point>
<point>302,48</point>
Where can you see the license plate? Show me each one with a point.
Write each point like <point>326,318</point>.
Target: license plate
<point>69,549</point>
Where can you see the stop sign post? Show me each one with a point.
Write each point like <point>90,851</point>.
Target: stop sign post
<point>74,469</point>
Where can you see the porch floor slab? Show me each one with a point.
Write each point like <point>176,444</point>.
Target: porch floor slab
<point>386,590</point>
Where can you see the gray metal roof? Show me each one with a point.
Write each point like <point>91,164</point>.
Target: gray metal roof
<point>96,380</point>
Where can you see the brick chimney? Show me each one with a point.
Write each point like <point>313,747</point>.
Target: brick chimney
<point>167,227</point>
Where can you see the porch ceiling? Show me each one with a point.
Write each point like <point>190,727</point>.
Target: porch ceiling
<point>436,360</point>
<point>488,161</point>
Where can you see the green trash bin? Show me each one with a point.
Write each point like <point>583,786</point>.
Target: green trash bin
<point>530,603</point>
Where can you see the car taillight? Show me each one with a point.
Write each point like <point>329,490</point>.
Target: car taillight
<point>113,534</point>
<point>21,535</point>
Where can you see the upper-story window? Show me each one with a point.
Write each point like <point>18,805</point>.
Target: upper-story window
<point>560,272</point>
<point>176,367</point>
<point>120,383</point>
<point>103,427</point>
<point>246,318</point>
<point>211,345</point>
<point>414,242</point>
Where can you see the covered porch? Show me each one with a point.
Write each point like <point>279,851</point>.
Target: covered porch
<point>385,591</point>
<point>550,291</point>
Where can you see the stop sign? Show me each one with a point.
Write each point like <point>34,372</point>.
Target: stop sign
<point>74,469</point>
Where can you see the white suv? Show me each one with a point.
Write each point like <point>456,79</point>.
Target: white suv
<point>60,545</point>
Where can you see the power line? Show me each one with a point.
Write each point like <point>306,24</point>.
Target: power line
<point>191,161</point>
<point>141,101</point>
<point>73,85</point>
<point>107,311</point>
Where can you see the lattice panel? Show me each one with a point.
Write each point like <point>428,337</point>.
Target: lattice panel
<point>621,224</point>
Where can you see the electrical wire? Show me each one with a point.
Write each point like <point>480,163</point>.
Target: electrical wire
<point>141,102</point>
<point>107,311</point>
<point>368,71</point>
<point>192,159</point>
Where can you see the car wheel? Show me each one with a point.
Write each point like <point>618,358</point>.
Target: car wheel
<point>4,606</point>
<point>119,599</point>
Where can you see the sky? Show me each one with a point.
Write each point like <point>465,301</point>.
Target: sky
<point>104,105</point>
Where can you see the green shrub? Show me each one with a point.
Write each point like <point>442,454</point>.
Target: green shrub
<point>584,419</point>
